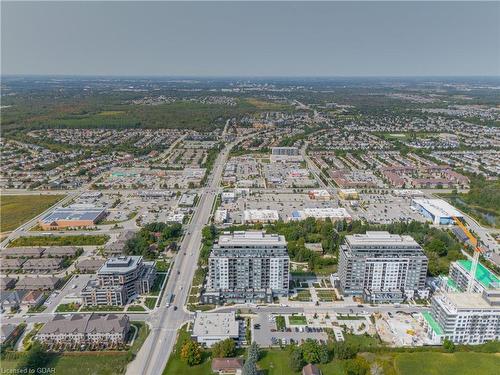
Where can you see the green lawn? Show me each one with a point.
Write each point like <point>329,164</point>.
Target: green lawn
<point>350,317</point>
<point>84,364</point>
<point>103,308</point>
<point>362,341</point>
<point>155,289</point>
<point>192,307</point>
<point>162,266</point>
<point>175,365</point>
<point>141,336</point>
<point>280,322</point>
<point>297,320</point>
<point>277,362</point>
<point>151,302</point>
<point>136,308</point>
<point>80,240</point>
<point>67,307</point>
<point>17,209</point>
<point>447,364</point>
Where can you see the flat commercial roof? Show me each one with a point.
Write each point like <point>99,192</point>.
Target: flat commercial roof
<point>260,215</point>
<point>487,278</point>
<point>432,323</point>
<point>73,213</point>
<point>215,324</point>
<point>438,207</point>
<point>322,213</point>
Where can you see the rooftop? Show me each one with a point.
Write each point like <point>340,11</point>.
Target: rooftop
<point>251,238</point>
<point>215,324</point>
<point>487,278</point>
<point>73,213</point>
<point>260,215</point>
<point>438,207</point>
<point>121,264</point>
<point>85,323</point>
<point>380,238</point>
<point>465,301</point>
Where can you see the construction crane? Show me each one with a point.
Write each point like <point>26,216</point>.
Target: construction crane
<point>477,251</point>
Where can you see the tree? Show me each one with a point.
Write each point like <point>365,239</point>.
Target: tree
<point>448,345</point>
<point>296,358</point>
<point>342,350</point>
<point>36,359</point>
<point>253,352</point>
<point>437,246</point>
<point>324,354</point>
<point>191,353</point>
<point>310,351</point>
<point>249,368</point>
<point>358,366</point>
<point>224,348</point>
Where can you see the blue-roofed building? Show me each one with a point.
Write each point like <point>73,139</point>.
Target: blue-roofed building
<point>72,217</point>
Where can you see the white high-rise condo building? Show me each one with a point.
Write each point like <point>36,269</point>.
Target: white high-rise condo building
<point>382,267</point>
<point>464,318</point>
<point>247,267</point>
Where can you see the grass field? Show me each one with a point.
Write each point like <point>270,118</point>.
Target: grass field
<point>277,362</point>
<point>17,209</point>
<point>265,105</point>
<point>447,364</point>
<point>82,364</point>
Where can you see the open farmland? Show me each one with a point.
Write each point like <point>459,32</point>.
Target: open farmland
<point>17,209</point>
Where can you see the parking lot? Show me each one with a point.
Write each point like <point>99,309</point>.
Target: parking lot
<point>385,209</point>
<point>266,335</point>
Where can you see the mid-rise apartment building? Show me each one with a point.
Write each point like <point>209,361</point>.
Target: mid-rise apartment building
<point>464,318</point>
<point>382,267</point>
<point>459,277</point>
<point>247,267</point>
<point>118,280</point>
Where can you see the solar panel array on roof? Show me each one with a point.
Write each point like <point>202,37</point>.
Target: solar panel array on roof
<point>69,213</point>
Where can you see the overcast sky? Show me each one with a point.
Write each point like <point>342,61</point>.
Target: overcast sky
<point>251,39</point>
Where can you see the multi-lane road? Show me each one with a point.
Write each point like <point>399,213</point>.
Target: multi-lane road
<point>165,321</point>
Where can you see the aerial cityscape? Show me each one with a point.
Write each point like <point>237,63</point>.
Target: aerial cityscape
<point>311,222</point>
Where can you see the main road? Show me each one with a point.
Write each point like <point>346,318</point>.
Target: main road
<point>165,321</point>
